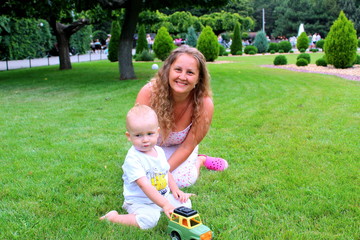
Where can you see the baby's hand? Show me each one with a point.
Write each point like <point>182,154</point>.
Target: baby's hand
<point>110,216</point>
<point>181,196</point>
<point>168,209</point>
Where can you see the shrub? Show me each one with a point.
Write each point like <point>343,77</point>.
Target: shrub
<point>301,62</point>
<point>145,55</point>
<point>261,42</point>
<point>302,50</point>
<point>222,50</point>
<point>273,47</point>
<point>302,42</point>
<point>272,51</point>
<point>357,61</point>
<point>358,43</point>
<point>280,60</point>
<point>114,41</point>
<point>320,44</point>
<point>314,50</point>
<point>252,52</point>
<point>341,43</point>
<point>163,44</point>
<point>236,44</point>
<point>208,44</point>
<point>291,51</point>
<point>141,43</point>
<point>285,46</point>
<point>191,37</point>
<point>321,62</point>
<point>249,48</point>
<point>305,56</point>
<point>281,51</point>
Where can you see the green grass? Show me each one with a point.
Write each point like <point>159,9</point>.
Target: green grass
<point>291,139</point>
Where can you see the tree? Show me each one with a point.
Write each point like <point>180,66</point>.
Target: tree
<point>58,13</point>
<point>191,38</point>
<point>132,11</point>
<point>302,41</point>
<point>141,43</point>
<point>261,42</point>
<point>163,44</point>
<point>114,41</point>
<point>341,43</point>
<point>236,44</point>
<point>208,44</point>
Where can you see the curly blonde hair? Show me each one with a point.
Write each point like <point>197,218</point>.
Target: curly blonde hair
<point>161,98</point>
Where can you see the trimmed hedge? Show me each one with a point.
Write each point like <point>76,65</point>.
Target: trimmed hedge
<point>280,60</point>
<point>305,56</point>
<point>163,44</point>
<point>301,62</point>
<point>208,44</point>
<point>250,48</point>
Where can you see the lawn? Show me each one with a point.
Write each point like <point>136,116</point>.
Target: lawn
<point>291,139</point>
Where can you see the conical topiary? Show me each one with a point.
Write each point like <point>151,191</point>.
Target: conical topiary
<point>141,43</point>
<point>163,44</point>
<point>302,41</point>
<point>114,41</point>
<point>208,44</point>
<point>341,43</point>
<point>261,42</point>
<point>236,45</point>
<point>191,38</point>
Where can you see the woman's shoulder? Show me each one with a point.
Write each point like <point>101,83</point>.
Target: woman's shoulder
<point>208,103</point>
<point>144,95</point>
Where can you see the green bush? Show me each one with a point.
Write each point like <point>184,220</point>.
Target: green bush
<point>358,43</point>
<point>273,47</point>
<point>261,42</point>
<point>252,52</point>
<point>291,51</point>
<point>79,41</point>
<point>320,44</point>
<point>301,62</point>
<point>23,38</point>
<point>250,48</point>
<point>285,46</point>
<point>341,43</point>
<point>357,61</point>
<point>305,56</point>
<point>314,50</point>
<point>236,44</point>
<point>141,43</point>
<point>114,42</point>
<point>302,50</point>
<point>302,42</point>
<point>280,60</point>
<point>145,55</point>
<point>191,37</point>
<point>321,62</point>
<point>163,44</point>
<point>239,53</point>
<point>272,51</point>
<point>208,44</point>
<point>222,50</point>
<point>281,51</point>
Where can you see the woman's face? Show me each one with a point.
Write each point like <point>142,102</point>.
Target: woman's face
<point>184,74</point>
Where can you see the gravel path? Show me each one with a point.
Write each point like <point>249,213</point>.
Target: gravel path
<point>352,73</point>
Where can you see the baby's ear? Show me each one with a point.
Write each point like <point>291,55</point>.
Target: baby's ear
<point>127,134</point>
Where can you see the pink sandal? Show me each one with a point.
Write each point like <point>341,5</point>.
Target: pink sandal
<point>216,164</point>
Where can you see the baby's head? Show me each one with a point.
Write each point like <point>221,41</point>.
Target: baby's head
<point>142,127</point>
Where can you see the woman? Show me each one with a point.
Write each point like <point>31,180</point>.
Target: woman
<point>180,95</point>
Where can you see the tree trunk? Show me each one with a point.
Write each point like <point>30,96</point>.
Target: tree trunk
<point>63,47</point>
<point>63,34</point>
<point>126,67</point>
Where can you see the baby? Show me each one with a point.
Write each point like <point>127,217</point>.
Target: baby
<point>147,179</point>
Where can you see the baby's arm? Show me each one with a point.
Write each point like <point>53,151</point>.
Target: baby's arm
<point>155,196</point>
<point>177,193</point>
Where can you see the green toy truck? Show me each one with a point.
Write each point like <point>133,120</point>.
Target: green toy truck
<point>185,224</point>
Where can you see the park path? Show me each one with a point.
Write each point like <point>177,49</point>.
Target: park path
<point>37,62</point>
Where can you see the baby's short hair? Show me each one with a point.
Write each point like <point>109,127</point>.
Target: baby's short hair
<point>140,111</point>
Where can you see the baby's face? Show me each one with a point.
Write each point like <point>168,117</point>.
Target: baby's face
<point>143,134</point>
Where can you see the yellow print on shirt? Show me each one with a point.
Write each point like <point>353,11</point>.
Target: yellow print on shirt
<point>158,180</point>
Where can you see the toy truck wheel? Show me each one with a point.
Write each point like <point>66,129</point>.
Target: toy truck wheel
<point>175,236</point>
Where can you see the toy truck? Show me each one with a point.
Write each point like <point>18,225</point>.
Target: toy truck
<point>185,224</point>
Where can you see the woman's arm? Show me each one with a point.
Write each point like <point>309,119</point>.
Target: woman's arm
<point>194,137</point>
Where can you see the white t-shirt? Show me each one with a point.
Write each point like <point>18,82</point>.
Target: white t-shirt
<point>137,165</point>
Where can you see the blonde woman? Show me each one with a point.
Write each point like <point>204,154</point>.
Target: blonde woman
<point>180,94</point>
